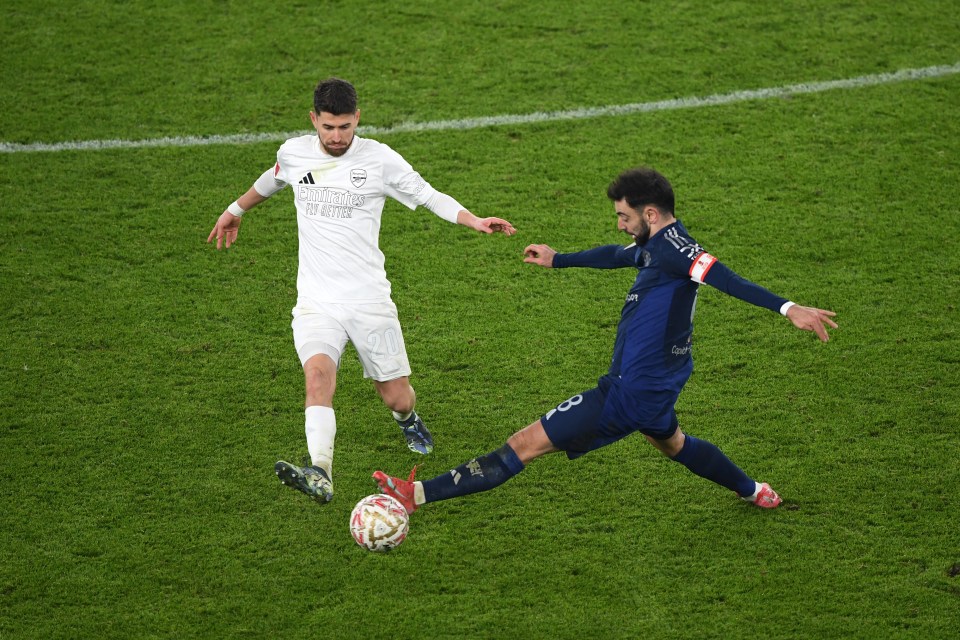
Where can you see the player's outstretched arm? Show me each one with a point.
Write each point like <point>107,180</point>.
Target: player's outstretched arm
<point>812,319</point>
<point>228,224</point>
<point>485,225</point>
<point>539,254</point>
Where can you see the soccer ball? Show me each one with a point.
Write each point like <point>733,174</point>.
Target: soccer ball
<point>379,523</point>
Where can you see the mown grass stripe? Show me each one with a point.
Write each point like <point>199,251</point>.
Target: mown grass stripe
<point>858,82</point>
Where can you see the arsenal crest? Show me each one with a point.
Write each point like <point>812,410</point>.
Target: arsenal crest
<point>358,177</point>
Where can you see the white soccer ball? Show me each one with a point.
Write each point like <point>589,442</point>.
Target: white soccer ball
<point>379,523</point>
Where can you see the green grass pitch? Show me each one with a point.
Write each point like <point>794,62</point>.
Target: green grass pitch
<point>148,383</point>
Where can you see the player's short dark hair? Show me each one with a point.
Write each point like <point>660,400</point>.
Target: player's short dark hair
<point>335,96</point>
<point>642,186</point>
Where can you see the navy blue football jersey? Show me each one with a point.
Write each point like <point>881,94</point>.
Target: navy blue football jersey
<point>653,347</point>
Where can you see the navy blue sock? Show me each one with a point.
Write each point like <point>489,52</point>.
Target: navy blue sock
<point>707,461</point>
<point>480,474</point>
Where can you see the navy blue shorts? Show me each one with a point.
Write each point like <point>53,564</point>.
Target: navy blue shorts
<point>604,414</point>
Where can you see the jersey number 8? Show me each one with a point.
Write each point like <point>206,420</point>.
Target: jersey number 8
<point>565,405</point>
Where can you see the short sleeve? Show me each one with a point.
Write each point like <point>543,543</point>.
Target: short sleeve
<point>278,168</point>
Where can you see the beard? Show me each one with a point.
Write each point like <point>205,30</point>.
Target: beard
<point>643,234</point>
<point>335,152</point>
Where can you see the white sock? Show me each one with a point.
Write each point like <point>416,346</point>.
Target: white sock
<point>321,428</point>
<point>418,495</point>
<point>402,417</point>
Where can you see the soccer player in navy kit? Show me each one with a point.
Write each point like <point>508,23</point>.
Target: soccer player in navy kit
<point>651,362</point>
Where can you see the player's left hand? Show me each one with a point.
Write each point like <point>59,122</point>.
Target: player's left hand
<point>812,319</point>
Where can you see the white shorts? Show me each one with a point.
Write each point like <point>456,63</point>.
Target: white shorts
<point>374,330</point>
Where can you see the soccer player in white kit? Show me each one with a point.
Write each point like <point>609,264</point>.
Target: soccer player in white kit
<point>340,182</point>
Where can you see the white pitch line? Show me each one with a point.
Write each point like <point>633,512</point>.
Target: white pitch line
<point>902,75</point>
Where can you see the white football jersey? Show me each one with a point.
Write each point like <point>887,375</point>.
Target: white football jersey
<point>339,205</point>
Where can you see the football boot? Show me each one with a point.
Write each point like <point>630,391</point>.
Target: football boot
<point>311,480</point>
<point>766,497</point>
<point>402,490</point>
<point>418,438</point>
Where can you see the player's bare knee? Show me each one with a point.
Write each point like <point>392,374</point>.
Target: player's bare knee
<point>530,442</point>
<point>398,395</point>
<point>669,447</point>
<point>320,385</point>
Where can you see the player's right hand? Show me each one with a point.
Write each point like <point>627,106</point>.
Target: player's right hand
<point>539,254</point>
<point>225,231</point>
